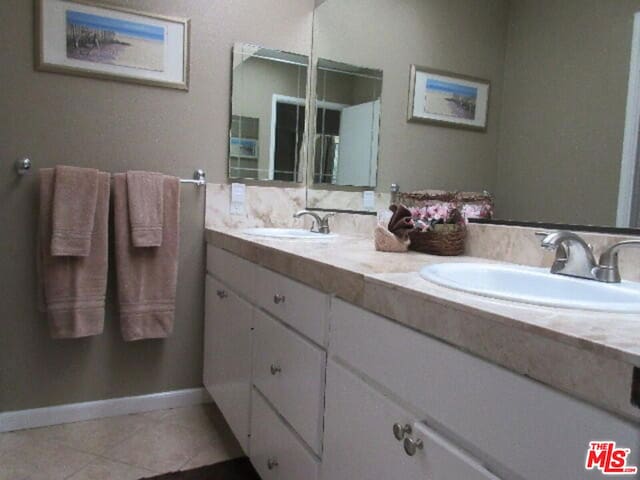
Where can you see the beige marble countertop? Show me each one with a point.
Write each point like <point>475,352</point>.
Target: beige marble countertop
<point>589,355</point>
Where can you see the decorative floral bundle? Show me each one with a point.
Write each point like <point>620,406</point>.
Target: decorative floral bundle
<point>439,229</point>
<point>439,217</point>
<point>470,204</point>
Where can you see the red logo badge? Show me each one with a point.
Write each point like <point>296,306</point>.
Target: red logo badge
<point>609,459</point>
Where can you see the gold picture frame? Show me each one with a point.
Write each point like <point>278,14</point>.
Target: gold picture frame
<point>50,58</point>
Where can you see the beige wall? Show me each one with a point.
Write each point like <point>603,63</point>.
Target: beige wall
<point>114,126</point>
<point>464,36</point>
<point>563,113</point>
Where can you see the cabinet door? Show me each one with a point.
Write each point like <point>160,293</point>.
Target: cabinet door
<point>227,356</point>
<point>359,441</point>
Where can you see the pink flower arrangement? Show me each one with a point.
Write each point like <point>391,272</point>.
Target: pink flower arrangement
<point>427,218</point>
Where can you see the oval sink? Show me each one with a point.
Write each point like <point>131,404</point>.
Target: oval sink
<point>298,233</point>
<point>536,286</point>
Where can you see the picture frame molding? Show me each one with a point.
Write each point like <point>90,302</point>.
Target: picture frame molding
<point>443,123</point>
<point>43,66</point>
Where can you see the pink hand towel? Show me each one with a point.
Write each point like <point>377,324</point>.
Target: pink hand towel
<point>146,207</point>
<point>74,208</point>
<point>72,289</point>
<point>146,276</point>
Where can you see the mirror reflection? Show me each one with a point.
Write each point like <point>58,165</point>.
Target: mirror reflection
<point>268,98</point>
<point>559,143</point>
<point>347,124</point>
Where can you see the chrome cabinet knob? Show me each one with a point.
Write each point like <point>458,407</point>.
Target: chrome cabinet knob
<point>275,369</point>
<point>222,294</point>
<point>412,445</point>
<point>278,299</point>
<point>272,463</point>
<point>400,431</point>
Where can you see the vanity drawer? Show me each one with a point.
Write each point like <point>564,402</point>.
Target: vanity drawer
<point>298,305</point>
<point>276,453</point>
<point>521,428</point>
<point>236,272</point>
<point>289,371</point>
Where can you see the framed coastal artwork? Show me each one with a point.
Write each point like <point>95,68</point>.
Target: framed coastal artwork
<point>84,38</point>
<point>243,147</point>
<point>448,99</point>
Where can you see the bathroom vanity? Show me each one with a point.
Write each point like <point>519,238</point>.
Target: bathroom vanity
<point>332,361</point>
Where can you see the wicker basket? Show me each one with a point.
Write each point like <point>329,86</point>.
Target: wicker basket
<point>446,242</point>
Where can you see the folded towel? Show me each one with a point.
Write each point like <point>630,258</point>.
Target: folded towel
<point>145,191</point>
<point>72,289</point>
<point>400,223</point>
<point>385,241</point>
<point>74,207</point>
<point>146,276</point>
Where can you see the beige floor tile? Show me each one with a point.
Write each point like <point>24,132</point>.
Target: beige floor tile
<point>96,436</point>
<point>12,470</point>
<point>43,460</point>
<point>162,447</point>
<point>198,417</point>
<point>103,469</point>
<point>156,414</point>
<point>214,453</point>
<point>13,440</point>
<point>205,419</point>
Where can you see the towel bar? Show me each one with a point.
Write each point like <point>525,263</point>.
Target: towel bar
<point>23,166</point>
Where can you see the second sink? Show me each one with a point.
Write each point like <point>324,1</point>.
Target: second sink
<point>535,286</point>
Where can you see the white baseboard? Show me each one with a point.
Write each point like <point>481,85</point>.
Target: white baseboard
<point>76,412</point>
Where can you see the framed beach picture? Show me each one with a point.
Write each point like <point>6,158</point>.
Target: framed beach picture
<point>243,147</point>
<point>448,99</point>
<point>84,38</point>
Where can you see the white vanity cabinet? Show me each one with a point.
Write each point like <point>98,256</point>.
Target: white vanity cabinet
<point>264,363</point>
<point>317,388</point>
<point>515,427</point>
<point>227,355</point>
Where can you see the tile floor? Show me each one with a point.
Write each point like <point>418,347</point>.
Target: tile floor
<point>127,447</point>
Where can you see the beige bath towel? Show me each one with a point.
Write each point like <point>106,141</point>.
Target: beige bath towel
<point>74,207</point>
<point>146,276</point>
<point>72,289</point>
<point>145,192</point>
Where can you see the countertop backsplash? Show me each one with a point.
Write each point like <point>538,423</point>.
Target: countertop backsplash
<point>274,207</point>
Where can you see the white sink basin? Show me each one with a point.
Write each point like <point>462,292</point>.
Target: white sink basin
<point>535,286</point>
<point>298,233</point>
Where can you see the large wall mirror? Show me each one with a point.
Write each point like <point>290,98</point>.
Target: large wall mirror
<point>266,135</point>
<point>562,91</point>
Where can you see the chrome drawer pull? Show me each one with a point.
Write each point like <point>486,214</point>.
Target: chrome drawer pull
<point>222,294</point>
<point>278,299</point>
<point>272,463</point>
<point>275,369</point>
<point>400,431</point>
<point>411,446</point>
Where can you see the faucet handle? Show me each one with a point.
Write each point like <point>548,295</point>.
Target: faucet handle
<point>608,269</point>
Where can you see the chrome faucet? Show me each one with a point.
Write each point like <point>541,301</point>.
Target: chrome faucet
<point>320,224</point>
<point>575,258</point>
